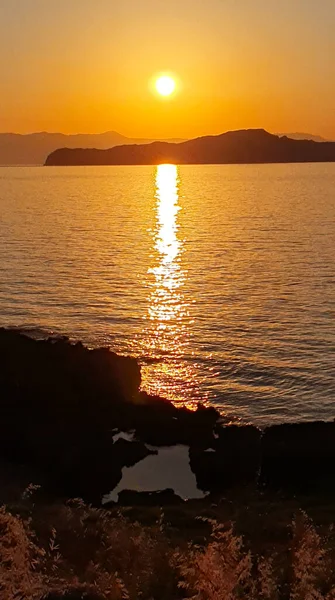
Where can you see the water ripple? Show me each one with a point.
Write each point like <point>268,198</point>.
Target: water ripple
<point>219,279</point>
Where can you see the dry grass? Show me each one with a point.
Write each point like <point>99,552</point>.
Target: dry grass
<point>76,547</point>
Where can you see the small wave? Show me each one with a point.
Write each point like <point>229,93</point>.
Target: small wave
<point>38,333</point>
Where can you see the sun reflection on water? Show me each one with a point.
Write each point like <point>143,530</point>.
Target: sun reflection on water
<point>166,300</point>
<point>166,334</point>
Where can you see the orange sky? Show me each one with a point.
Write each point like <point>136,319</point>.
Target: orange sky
<point>84,66</point>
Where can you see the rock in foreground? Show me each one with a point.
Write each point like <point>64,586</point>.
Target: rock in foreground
<point>62,403</point>
<point>76,420</point>
<point>299,457</point>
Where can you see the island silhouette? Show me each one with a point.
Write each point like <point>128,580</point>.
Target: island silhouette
<point>241,147</point>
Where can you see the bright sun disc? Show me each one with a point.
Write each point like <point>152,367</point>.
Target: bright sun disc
<point>165,85</point>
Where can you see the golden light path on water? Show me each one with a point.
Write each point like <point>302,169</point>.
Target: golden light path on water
<point>166,334</point>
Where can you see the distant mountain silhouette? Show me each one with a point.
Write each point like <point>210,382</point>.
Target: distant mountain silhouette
<point>304,136</point>
<point>244,146</point>
<point>33,148</point>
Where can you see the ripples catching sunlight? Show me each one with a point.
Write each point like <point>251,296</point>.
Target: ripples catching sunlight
<point>220,279</point>
<point>165,337</point>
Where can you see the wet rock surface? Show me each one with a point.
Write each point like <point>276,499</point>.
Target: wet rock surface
<point>232,459</point>
<point>162,498</point>
<point>299,457</point>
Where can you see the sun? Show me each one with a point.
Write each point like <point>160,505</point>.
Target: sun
<point>165,85</point>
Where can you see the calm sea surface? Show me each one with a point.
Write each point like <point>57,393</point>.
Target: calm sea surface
<point>220,279</point>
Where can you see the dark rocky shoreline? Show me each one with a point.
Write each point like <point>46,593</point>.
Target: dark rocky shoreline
<point>61,404</point>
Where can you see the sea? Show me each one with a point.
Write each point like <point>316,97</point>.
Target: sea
<point>220,280</point>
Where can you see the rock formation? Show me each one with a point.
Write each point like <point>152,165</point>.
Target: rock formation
<point>64,410</point>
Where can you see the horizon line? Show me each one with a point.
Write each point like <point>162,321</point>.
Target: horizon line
<point>162,138</point>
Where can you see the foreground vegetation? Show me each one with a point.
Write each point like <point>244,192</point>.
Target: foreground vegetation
<point>72,550</point>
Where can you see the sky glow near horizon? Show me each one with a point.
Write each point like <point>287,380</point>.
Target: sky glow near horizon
<point>85,66</point>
